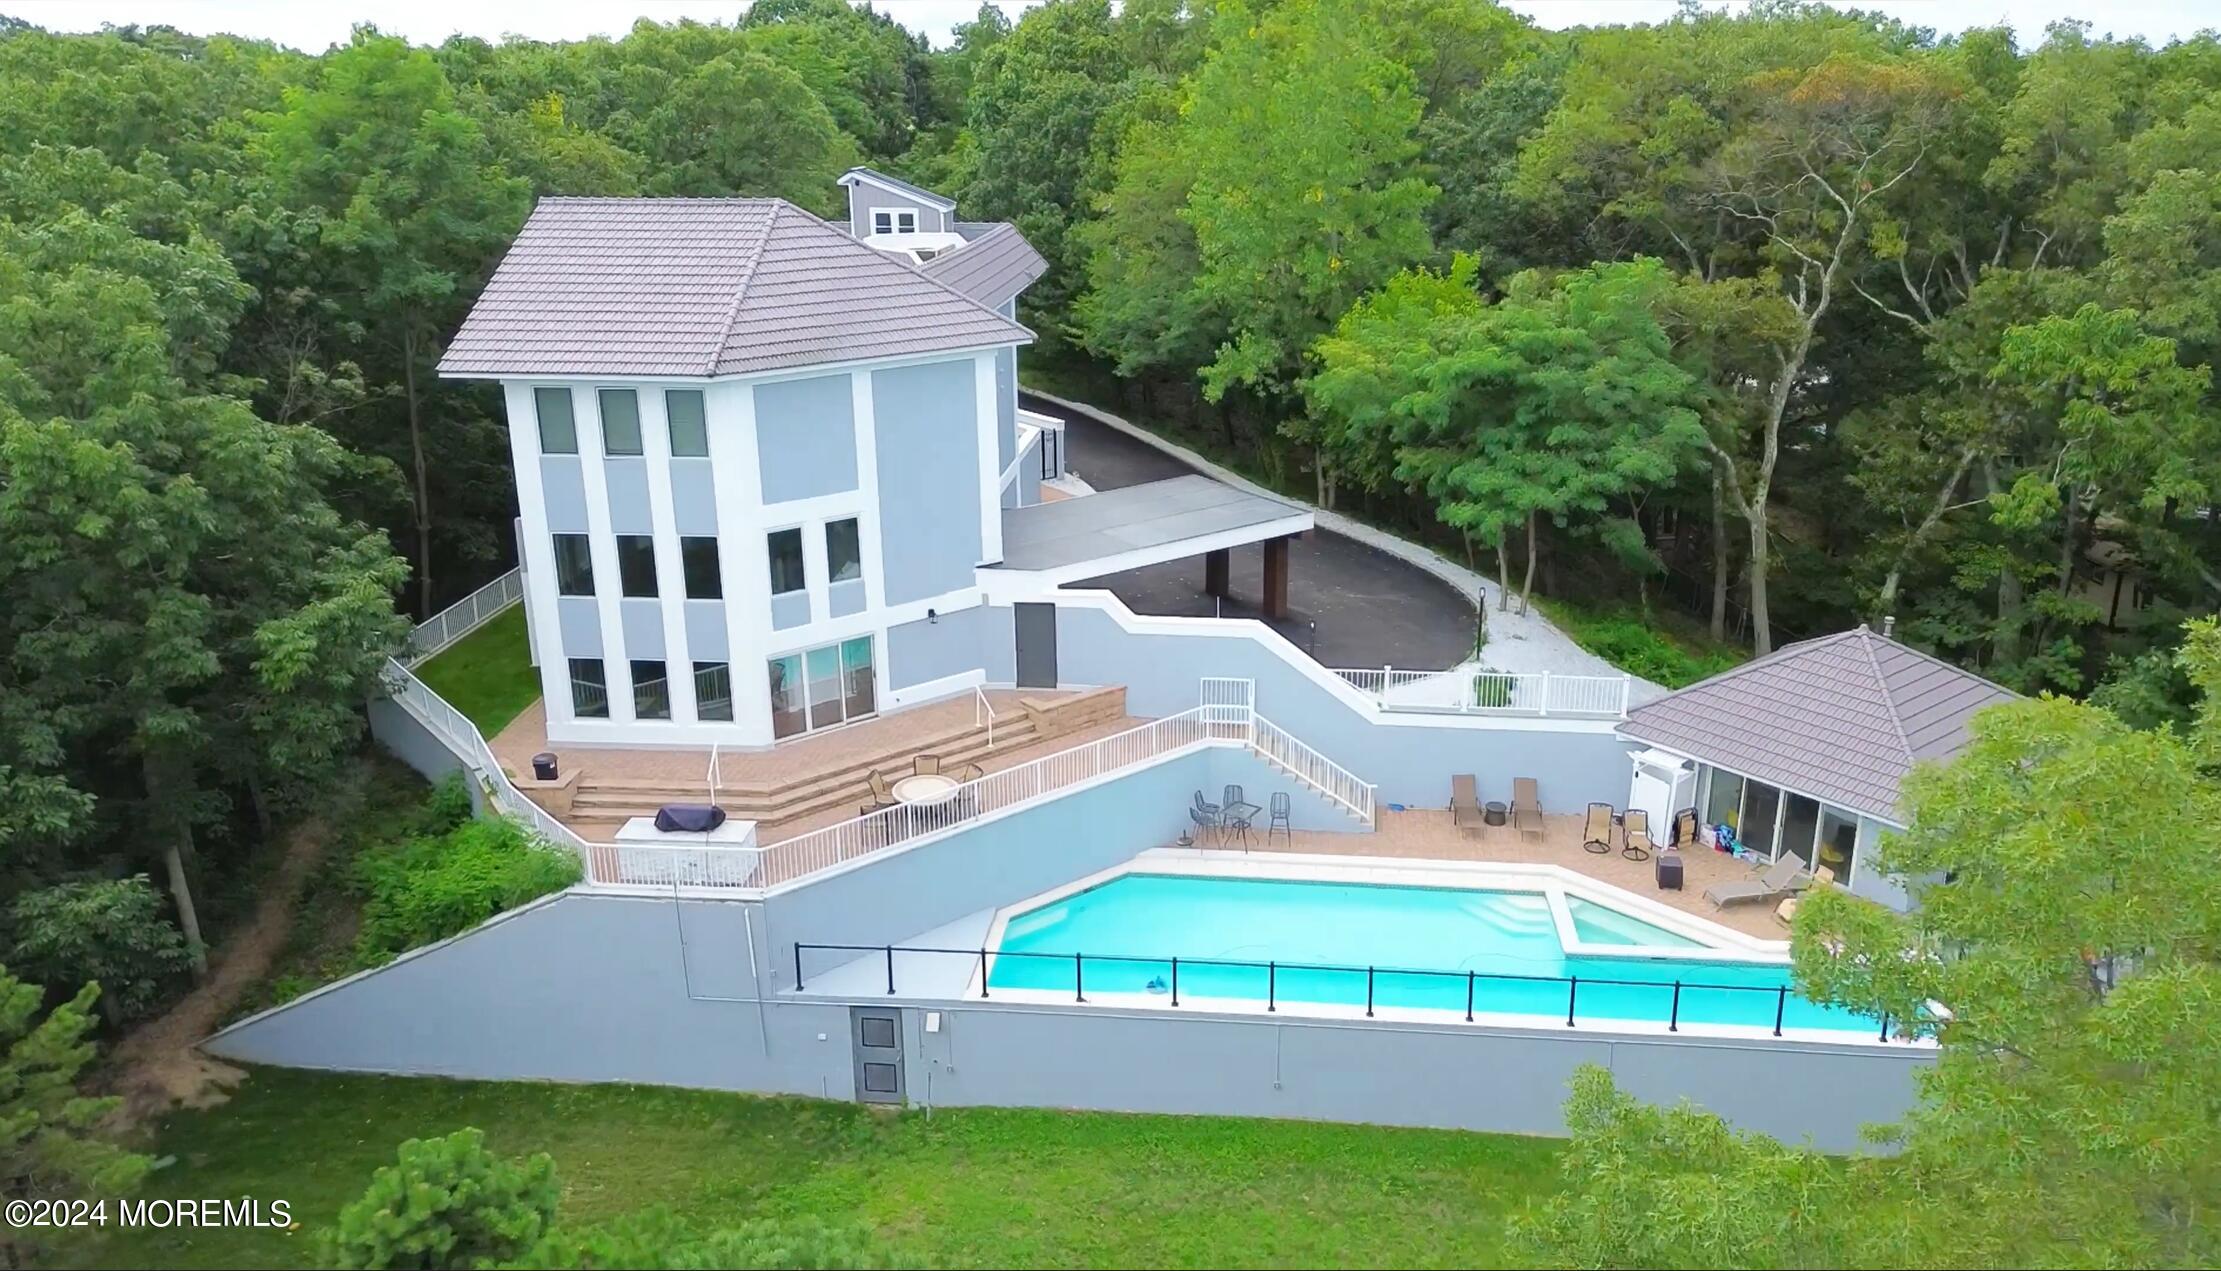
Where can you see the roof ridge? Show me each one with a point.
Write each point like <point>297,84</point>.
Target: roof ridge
<point>897,259</point>
<point>1744,668</point>
<point>1889,695</point>
<point>740,284</point>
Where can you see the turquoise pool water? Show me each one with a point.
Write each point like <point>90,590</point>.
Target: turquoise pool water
<point>1152,918</point>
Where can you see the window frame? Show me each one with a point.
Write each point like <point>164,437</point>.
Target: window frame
<point>633,667</point>
<point>687,563</point>
<point>585,560</point>
<point>670,425</point>
<point>601,668</point>
<point>801,559</point>
<point>602,398</point>
<point>833,572</point>
<point>540,397</point>
<point>626,562</point>
<point>895,216</point>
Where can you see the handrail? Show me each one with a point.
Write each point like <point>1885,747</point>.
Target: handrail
<point>980,704</point>
<point>1321,773</point>
<point>1479,690</point>
<point>464,616</point>
<point>1272,968</point>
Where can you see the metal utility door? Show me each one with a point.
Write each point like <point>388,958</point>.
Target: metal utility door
<point>877,1035</point>
<point>1037,645</point>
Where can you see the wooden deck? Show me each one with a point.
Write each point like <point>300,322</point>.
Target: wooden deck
<point>1427,834</point>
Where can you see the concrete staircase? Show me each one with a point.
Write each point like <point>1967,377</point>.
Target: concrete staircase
<point>601,805</point>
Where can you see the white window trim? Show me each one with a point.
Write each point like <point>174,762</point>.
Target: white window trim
<point>802,535</point>
<point>894,217</point>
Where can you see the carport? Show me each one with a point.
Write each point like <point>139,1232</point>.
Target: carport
<point>1049,545</point>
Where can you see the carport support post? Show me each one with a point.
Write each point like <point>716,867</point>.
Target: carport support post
<point>1215,571</point>
<point>1276,577</point>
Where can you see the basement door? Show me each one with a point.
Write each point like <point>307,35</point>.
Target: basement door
<point>1037,645</point>
<point>877,1038</point>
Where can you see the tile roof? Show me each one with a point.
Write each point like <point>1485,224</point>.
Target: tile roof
<point>1841,718</point>
<point>696,287</point>
<point>918,192</point>
<point>992,266</point>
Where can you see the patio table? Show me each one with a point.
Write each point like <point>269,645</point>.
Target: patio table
<point>926,789</point>
<point>1240,812</point>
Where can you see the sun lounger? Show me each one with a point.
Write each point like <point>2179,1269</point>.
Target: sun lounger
<point>1784,877</point>
<point>1465,804</point>
<point>1635,843</point>
<point>1526,807</point>
<point>1596,834</point>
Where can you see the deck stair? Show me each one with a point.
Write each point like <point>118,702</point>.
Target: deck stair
<point>601,805</point>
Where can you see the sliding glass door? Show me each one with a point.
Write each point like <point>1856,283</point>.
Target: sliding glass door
<point>818,688</point>
<point>1768,820</point>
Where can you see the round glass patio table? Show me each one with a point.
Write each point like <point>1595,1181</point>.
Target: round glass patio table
<point>925,789</point>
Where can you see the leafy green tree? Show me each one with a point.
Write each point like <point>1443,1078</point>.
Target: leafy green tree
<point>51,1142</point>
<point>111,931</point>
<point>744,124</point>
<point>445,1202</point>
<point>400,188</point>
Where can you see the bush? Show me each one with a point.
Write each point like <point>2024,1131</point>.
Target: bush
<point>657,1241</point>
<point>445,1202</point>
<point>112,931</point>
<point>431,887</point>
<point>1642,647</point>
<point>447,805</point>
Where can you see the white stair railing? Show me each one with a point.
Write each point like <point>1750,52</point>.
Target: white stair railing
<point>983,711</point>
<point>465,616</point>
<point>1322,774</point>
<point>1478,690</point>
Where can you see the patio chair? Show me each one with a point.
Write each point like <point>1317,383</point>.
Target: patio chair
<point>1282,819</point>
<point>1465,804</point>
<point>1635,842</point>
<point>1596,834</point>
<point>882,794</point>
<point>1526,807</point>
<point>1205,825</point>
<point>1784,877</point>
<point>1231,798</point>
<point>926,765</point>
<point>1684,828</point>
<point>1209,811</point>
<point>968,773</point>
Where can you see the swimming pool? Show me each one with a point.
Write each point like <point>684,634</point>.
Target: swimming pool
<point>1309,941</point>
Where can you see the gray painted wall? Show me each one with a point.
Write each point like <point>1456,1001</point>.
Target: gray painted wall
<point>863,198</point>
<point>706,637</point>
<point>844,598</point>
<point>806,437</point>
<point>790,609</point>
<point>411,743</point>
<point>581,623</point>
<point>563,488</point>
<point>928,451</point>
<point>962,640</point>
<point>693,496</point>
<point>643,621</point>
<point>628,496</point>
<point>1410,763</point>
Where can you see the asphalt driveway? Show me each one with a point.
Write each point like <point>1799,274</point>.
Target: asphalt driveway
<point>1350,605</point>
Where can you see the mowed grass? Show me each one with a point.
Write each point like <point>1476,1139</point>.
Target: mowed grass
<point>962,1188</point>
<point>488,674</point>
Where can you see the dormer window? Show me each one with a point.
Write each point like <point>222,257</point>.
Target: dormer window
<point>891,220</point>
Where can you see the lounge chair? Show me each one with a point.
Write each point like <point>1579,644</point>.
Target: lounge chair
<point>1526,807</point>
<point>1635,841</point>
<point>1784,877</point>
<point>1684,828</point>
<point>1596,835</point>
<point>1465,804</point>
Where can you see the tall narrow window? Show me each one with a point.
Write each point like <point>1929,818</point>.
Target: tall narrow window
<point>620,421</point>
<point>698,556</point>
<point>689,426</point>
<point>651,693</point>
<point>786,561</point>
<point>843,558</point>
<point>713,691</point>
<point>589,690</point>
<point>636,565</point>
<point>574,566</point>
<point>558,431</point>
<point>858,695</point>
<point>788,714</point>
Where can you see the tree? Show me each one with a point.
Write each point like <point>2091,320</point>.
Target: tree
<point>743,124</point>
<point>50,1137</point>
<point>2069,1117</point>
<point>445,1202</point>
<point>399,185</point>
<point>108,931</point>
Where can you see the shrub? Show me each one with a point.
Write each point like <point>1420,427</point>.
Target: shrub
<point>431,887</point>
<point>657,1241</point>
<point>112,931</point>
<point>445,1202</point>
<point>447,805</point>
<point>1641,648</point>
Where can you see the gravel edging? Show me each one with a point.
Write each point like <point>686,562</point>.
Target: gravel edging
<point>1534,643</point>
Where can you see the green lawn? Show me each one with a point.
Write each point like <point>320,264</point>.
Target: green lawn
<point>973,1187</point>
<point>488,674</point>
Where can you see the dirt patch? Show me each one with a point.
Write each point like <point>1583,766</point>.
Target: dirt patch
<point>159,1065</point>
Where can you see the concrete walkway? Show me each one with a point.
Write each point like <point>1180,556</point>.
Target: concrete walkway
<point>1364,559</point>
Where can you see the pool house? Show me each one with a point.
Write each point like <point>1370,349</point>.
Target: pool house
<point>1803,751</point>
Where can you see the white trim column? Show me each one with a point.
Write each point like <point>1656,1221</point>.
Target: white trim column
<point>734,472</point>
<point>537,549</point>
<point>601,542</point>
<point>655,450</point>
<point>990,459</point>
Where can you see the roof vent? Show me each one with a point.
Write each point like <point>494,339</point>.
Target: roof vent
<point>1889,624</point>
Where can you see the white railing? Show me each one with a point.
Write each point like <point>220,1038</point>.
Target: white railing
<point>1314,769</point>
<point>822,849</point>
<point>465,616</point>
<point>983,711</point>
<point>1475,690</point>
